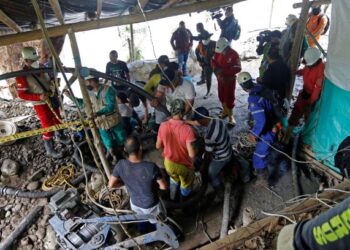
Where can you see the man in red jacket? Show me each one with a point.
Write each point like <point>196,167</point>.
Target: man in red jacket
<point>37,89</point>
<point>226,64</point>
<point>313,76</point>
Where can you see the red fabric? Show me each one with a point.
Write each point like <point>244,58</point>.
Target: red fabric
<point>47,119</point>
<point>22,90</point>
<point>226,67</point>
<point>174,134</point>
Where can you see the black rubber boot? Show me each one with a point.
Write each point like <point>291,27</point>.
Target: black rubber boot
<point>62,138</point>
<point>51,151</point>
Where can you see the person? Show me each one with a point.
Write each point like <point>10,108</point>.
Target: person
<point>140,178</point>
<point>104,104</point>
<point>117,68</point>
<point>174,86</point>
<point>226,64</point>
<point>181,42</point>
<point>125,111</point>
<point>41,91</point>
<point>313,77</point>
<point>263,132</point>
<point>204,52</point>
<point>327,231</point>
<point>316,24</point>
<point>175,137</point>
<point>277,75</point>
<point>202,33</point>
<point>264,47</point>
<point>229,26</point>
<point>152,84</point>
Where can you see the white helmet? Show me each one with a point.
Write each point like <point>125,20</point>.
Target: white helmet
<point>221,44</point>
<point>243,77</point>
<point>291,19</point>
<point>29,53</point>
<point>312,55</point>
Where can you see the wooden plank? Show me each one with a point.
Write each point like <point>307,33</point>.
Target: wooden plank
<point>244,233</point>
<point>299,5</point>
<point>143,3</point>
<point>297,45</point>
<point>55,6</point>
<point>114,21</point>
<point>9,22</point>
<point>98,8</point>
<point>169,4</point>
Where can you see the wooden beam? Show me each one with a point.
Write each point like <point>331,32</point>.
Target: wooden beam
<point>143,3</point>
<point>55,6</point>
<point>300,5</point>
<point>114,21</point>
<point>98,8</point>
<point>169,4</point>
<point>9,22</point>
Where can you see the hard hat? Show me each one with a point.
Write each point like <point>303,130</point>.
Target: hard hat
<point>29,53</point>
<point>177,107</point>
<point>245,80</point>
<point>221,44</point>
<point>291,19</point>
<point>312,55</point>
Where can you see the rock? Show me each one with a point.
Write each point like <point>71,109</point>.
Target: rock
<point>17,208</point>
<point>6,232</point>
<point>15,220</point>
<point>8,214</point>
<point>40,233</point>
<point>24,241</point>
<point>96,182</point>
<point>248,216</point>
<point>2,214</point>
<point>33,238</point>
<point>34,185</point>
<point>50,239</point>
<point>8,207</point>
<point>9,167</point>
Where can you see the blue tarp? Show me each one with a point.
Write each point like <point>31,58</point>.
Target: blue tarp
<point>329,123</point>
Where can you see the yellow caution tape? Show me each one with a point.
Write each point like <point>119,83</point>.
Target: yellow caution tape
<point>62,177</point>
<point>40,131</point>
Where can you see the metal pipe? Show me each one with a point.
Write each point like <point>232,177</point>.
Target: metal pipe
<point>26,222</point>
<point>226,210</point>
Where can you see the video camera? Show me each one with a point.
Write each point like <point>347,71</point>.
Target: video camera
<point>216,13</point>
<point>264,36</point>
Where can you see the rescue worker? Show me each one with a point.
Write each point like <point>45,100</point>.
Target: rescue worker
<point>105,108</point>
<point>313,77</point>
<point>226,64</point>
<point>263,132</point>
<point>204,52</point>
<point>41,91</point>
<point>316,24</point>
<point>176,139</point>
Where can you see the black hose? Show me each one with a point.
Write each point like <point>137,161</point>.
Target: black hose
<point>11,191</point>
<point>77,159</point>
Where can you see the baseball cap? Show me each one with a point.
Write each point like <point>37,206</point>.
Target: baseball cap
<point>164,59</point>
<point>200,113</point>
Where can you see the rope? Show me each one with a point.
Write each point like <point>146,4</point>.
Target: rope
<point>62,177</point>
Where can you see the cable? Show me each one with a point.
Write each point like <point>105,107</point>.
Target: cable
<point>279,215</point>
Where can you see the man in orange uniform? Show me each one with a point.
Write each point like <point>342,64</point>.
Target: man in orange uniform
<point>226,64</point>
<point>316,24</point>
<point>313,76</point>
<point>36,89</point>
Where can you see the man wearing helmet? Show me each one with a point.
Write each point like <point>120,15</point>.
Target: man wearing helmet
<point>226,64</point>
<point>263,132</point>
<point>38,89</point>
<point>313,76</point>
<point>175,136</point>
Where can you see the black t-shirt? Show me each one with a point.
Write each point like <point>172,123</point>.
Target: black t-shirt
<point>120,69</point>
<point>140,181</point>
<point>277,77</point>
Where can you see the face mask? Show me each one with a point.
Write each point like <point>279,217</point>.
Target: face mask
<point>316,11</point>
<point>35,65</point>
<point>89,87</point>
<point>206,42</point>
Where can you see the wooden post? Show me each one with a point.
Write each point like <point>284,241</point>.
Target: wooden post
<point>132,43</point>
<point>297,44</point>
<point>87,103</point>
<point>272,5</point>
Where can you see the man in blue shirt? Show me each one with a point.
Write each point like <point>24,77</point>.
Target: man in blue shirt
<point>263,132</point>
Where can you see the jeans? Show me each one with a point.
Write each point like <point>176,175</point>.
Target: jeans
<point>214,170</point>
<point>182,60</point>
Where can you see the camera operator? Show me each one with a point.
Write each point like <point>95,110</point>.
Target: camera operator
<point>230,28</point>
<point>267,40</point>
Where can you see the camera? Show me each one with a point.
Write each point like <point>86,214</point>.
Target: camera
<point>264,36</point>
<point>216,13</point>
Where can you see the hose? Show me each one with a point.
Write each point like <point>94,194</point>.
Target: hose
<point>226,210</point>
<point>11,191</point>
<point>26,222</point>
<point>77,159</point>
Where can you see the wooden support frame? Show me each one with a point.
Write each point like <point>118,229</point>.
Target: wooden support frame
<point>169,4</point>
<point>99,8</point>
<point>137,9</point>
<point>300,5</point>
<point>9,22</point>
<point>115,21</point>
<point>55,6</point>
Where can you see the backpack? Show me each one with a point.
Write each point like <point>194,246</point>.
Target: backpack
<point>236,31</point>
<point>326,28</point>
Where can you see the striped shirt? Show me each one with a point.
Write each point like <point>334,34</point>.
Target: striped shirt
<point>217,140</point>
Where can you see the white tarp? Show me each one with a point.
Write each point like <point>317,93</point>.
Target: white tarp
<point>338,56</point>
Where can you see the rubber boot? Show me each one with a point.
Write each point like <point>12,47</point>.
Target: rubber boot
<point>288,135</point>
<point>51,151</point>
<point>231,119</point>
<point>173,189</point>
<point>62,138</point>
<point>223,114</point>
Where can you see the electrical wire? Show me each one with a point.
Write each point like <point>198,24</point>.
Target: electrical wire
<point>279,215</point>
